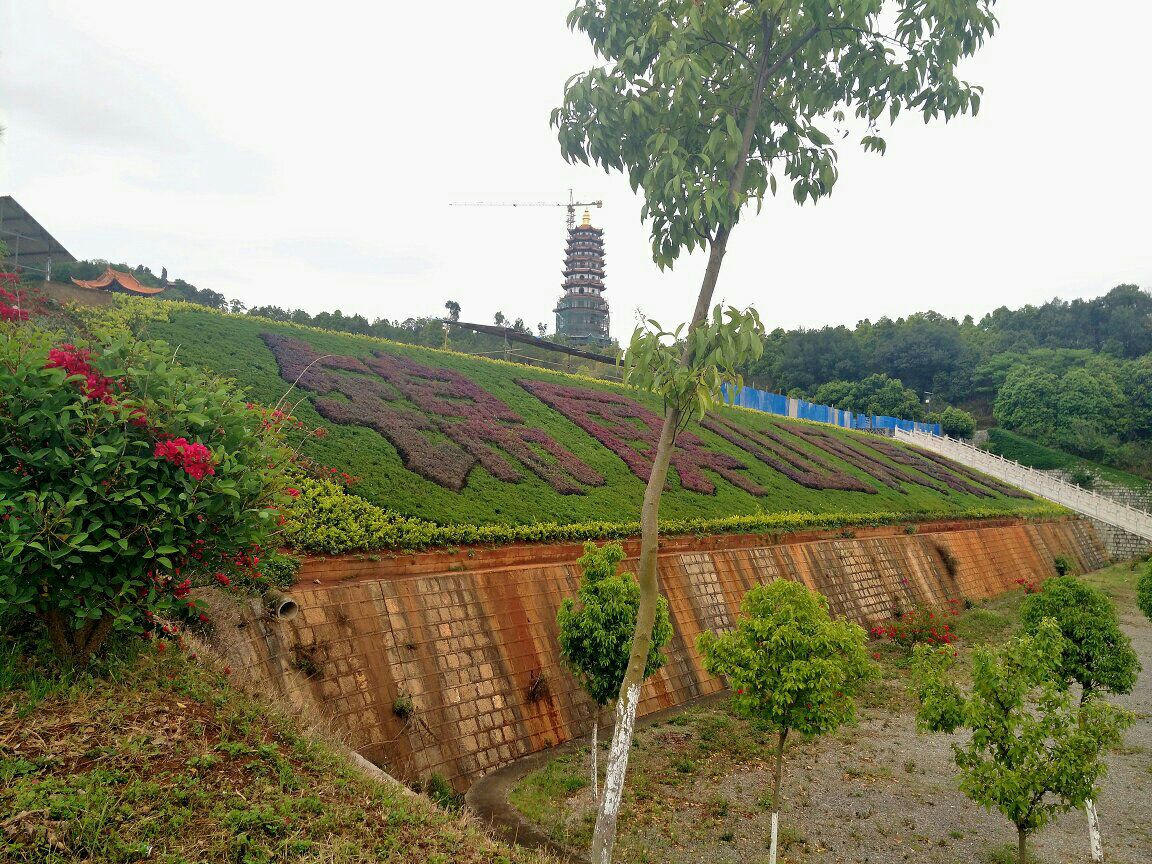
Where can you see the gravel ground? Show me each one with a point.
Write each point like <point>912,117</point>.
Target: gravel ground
<point>876,792</point>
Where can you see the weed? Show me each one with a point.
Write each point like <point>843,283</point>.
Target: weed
<point>403,707</point>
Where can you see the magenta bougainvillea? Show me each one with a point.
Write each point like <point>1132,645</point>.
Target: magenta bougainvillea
<point>775,451</point>
<point>630,431</point>
<point>193,457</point>
<point>10,307</point>
<point>417,407</point>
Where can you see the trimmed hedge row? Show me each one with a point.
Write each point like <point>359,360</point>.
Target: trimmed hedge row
<point>325,519</point>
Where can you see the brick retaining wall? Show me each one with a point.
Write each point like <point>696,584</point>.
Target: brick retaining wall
<point>466,634</point>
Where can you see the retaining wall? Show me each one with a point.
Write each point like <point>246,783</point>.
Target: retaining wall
<point>470,636</point>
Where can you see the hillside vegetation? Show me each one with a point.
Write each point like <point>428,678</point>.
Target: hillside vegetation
<point>460,440</point>
<point>164,761</point>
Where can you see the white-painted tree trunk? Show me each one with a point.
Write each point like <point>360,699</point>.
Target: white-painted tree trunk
<point>772,847</point>
<point>595,754</point>
<point>618,754</point>
<point>1094,842</point>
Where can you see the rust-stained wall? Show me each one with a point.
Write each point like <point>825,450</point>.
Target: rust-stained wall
<point>466,633</point>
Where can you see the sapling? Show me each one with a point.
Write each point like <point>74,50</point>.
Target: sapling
<point>1097,655</point>
<point>1033,751</point>
<point>706,105</point>
<point>596,631</point>
<point>791,666</point>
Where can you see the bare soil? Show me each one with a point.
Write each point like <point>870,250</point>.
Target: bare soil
<point>699,785</point>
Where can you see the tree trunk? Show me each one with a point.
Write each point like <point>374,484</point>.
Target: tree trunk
<point>595,749</point>
<point>76,646</point>
<point>783,734</point>
<point>1023,846</point>
<point>1094,842</point>
<point>604,836</point>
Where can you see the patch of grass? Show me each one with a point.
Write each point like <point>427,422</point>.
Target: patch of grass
<point>540,795</point>
<point>162,760</point>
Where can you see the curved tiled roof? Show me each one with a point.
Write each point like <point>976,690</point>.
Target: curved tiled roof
<point>123,281</point>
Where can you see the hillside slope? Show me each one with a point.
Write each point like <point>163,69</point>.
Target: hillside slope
<point>462,440</point>
<point>164,761</point>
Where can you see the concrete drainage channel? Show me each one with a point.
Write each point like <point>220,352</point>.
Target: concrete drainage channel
<point>487,798</point>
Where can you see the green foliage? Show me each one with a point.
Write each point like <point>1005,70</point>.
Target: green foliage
<point>98,528</point>
<point>1144,591</point>
<point>788,662</point>
<point>596,627</point>
<point>876,394</point>
<point>1096,655</point>
<point>670,105</point>
<point>1032,752</point>
<point>688,377</point>
<point>325,518</point>
<point>957,423</point>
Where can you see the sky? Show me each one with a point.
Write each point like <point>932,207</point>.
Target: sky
<point>307,156</point>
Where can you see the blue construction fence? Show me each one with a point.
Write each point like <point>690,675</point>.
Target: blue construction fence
<point>800,409</point>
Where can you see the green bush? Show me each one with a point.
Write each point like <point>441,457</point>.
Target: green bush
<point>1144,592</point>
<point>123,477</point>
<point>327,519</point>
<point>957,423</point>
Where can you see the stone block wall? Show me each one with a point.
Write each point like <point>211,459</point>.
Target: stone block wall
<point>1121,545</point>
<point>469,637</point>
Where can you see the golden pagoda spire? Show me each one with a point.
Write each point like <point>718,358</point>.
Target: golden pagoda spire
<point>587,223</point>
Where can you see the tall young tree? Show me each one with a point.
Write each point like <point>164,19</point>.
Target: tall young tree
<point>596,631</point>
<point>706,104</point>
<point>1031,751</point>
<point>792,666</point>
<point>1097,655</point>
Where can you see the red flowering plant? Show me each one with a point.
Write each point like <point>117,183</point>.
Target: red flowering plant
<point>921,625</point>
<point>125,481</point>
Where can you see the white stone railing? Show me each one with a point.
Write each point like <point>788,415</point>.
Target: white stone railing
<point>1083,501</point>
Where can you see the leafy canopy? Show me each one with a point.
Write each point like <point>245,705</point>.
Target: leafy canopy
<point>1144,591</point>
<point>596,627</point>
<point>1033,753</point>
<point>670,105</point>
<point>688,372</point>
<point>788,662</point>
<point>1097,655</point>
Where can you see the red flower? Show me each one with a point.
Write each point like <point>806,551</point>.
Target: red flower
<point>293,492</point>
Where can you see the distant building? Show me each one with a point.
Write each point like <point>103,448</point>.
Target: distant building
<point>582,315</point>
<point>118,283</point>
<point>30,247</point>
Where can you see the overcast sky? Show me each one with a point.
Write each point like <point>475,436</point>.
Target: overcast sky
<point>305,156</point>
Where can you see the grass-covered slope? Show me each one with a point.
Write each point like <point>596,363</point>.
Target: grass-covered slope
<point>163,761</point>
<point>577,476</point>
<point>1043,458</point>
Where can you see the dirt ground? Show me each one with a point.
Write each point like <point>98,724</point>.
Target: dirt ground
<point>877,792</point>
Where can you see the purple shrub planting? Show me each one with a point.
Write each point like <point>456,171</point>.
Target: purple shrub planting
<point>479,428</point>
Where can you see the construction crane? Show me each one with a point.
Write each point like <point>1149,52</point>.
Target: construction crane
<point>571,204</point>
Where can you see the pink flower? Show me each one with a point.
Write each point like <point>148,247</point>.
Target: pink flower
<point>293,492</point>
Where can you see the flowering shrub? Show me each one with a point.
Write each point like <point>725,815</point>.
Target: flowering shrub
<point>124,481</point>
<point>631,431</point>
<point>479,428</point>
<point>10,307</point>
<point>922,625</point>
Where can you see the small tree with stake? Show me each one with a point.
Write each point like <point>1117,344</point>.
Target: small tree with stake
<point>1033,753</point>
<point>1097,655</point>
<point>705,104</point>
<point>596,631</point>
<point>791,666</point>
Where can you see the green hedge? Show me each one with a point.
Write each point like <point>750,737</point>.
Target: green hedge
<point>325,519</point>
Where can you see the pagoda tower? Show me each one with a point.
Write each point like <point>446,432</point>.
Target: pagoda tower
<point>582,315</point>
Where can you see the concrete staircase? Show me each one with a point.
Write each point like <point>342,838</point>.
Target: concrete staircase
<point>1083,501</point>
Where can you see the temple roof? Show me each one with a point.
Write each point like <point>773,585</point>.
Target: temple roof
<point>123,281</point>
